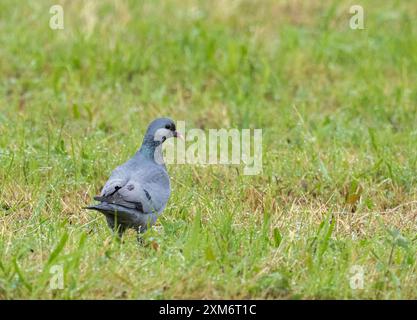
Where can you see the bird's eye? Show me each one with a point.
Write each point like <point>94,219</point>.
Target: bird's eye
<point>168,126</point>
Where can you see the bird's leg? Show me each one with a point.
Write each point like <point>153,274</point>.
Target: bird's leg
<point>140,240</point>
<point>116,227</point>
<point>141,230</point>
<point>120,230</point>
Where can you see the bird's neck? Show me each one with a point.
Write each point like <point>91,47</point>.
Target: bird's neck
<point>150,149</point>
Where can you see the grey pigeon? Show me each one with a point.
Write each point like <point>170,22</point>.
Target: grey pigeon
<point>138,190</point>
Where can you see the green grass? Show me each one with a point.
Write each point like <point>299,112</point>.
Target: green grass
<point>338,112</point>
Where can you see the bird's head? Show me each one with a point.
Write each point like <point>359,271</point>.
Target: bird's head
<point>162,129</point>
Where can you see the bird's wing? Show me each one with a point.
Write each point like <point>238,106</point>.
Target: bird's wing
<point>117,180</point>
<point>146,191</point>
<point>156,189</point>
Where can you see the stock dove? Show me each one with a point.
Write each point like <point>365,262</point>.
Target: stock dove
<point>138,190</point>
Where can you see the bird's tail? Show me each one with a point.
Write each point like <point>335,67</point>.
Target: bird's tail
<point>113,210</point>
<point>102,207</point>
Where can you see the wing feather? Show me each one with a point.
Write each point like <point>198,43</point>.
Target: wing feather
<point>144,190</point>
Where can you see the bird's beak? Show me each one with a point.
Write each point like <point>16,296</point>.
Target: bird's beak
<point>178,135</point>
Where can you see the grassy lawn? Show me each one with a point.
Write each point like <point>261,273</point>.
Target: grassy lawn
<point>338,108</point>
